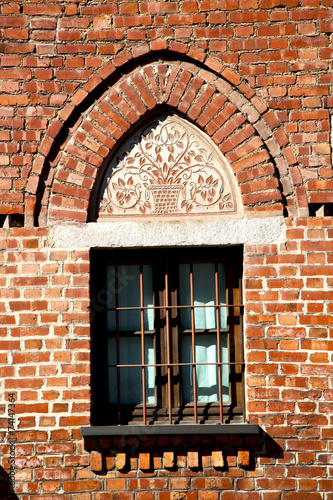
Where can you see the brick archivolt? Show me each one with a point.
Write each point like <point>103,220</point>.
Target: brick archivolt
<point>246,132</point>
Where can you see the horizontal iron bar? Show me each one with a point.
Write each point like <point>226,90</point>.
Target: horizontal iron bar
<point>139,308</point>
<point>174,364</point>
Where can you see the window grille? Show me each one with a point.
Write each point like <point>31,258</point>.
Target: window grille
<point>167,342</point>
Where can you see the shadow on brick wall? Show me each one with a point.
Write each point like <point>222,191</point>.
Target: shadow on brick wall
<point>6,486</point>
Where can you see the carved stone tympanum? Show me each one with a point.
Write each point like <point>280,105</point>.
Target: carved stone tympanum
<point>168,168</point>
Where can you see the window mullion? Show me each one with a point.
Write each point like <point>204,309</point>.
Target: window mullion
<point>118,344</point>
<point>194,375</point>
<point>143,344</point>
<point>167,322</point>
<point>218,339</point>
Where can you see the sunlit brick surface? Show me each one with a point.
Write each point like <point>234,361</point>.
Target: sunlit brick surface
<point>75,78</point>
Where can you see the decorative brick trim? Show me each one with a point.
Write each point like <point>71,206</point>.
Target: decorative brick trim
<point>134,456</point>
<point>235,123</point>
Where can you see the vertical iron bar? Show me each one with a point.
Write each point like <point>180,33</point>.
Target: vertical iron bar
<point>118,343</point>
<point>167,322</point>
<point>218,339</point>
<point>143,345</point>
<point>194,375</point>
<point>241,321</point>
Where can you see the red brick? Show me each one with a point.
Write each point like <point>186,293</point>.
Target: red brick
<point>186,19</point>
<point>275,56</point>
<point>145,461</point>
<point>127,21</point>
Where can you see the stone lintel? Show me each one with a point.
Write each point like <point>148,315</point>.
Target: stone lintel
<point>168,233</point>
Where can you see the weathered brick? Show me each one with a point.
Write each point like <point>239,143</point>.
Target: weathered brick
<point>74,79</point>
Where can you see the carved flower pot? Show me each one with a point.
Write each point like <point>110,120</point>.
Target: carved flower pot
<point>165,198</point>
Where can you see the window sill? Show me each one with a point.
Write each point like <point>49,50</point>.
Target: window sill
<point>172,430</point>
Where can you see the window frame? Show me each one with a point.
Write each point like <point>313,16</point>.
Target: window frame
<point>191,414</point>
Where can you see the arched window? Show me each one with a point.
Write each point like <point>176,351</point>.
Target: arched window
<point>167,342</point>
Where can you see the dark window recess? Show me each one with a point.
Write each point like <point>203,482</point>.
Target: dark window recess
<point>167,341</point>
<point>11,220</point>
<point>320,209</point>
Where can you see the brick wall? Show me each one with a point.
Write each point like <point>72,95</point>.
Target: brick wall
<point>45,363</point>
<point>289,341</point>
<point>54,56</point>
<point>75,77</point>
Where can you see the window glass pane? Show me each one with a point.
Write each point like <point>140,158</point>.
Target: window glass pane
<point>204,294</point>
<point>131,377</point>
<point>207,376</point>
<point>129,296</point>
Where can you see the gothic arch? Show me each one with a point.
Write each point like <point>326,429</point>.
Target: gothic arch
<point>246,132</point>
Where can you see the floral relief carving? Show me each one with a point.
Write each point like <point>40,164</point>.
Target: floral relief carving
<point>167,169</point>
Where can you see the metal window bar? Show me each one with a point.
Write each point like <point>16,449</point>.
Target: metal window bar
<point>143,344</point>
<point>218,340</point>
<point>194,374</point>
<point>118,344</point>
<point>133,308</point>
<point>167,320</point>
<point>230,363</point>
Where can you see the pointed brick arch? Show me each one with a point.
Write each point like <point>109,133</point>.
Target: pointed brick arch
<point>227,109</point>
